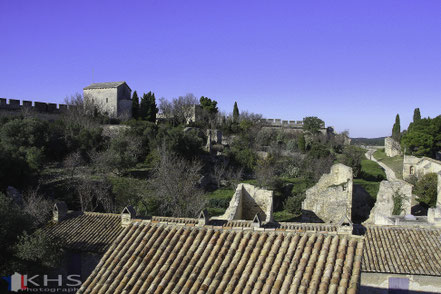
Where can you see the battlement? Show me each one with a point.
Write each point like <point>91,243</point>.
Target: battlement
<point>15,105</point>
<point>284,123</point>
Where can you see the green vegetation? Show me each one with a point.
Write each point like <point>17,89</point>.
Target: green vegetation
<point>416,115</point>
<point>426,189</point>
<point>370,186</point>
<point>219,200</point>
<point>235,112</point>
<point>371,171</point>
<point>396,129</point>
<point>398,203</point>
<point>423,137</point>
<point>148,108</point>
<point>395,163</point>
<point>312,124</point>
<point>368,141</point>
<point>135,105</point>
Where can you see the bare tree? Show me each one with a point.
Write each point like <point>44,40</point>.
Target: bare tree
<point>72,162</point>
<point>79,113</point>
<point>92,194</point>
<point>180,109</point>
<point>175,185</point>
<point>37,206</point>
<point>219,171</point>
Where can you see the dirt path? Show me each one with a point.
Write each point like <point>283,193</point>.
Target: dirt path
<point>390,175</point>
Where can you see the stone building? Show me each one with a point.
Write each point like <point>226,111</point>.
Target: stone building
<point>113,98</point>
<point>404,259</point>
<point>84,236</point>
<point>177,256</point>
<point>418,167</point>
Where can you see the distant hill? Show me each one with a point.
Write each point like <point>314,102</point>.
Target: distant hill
<point>368,141</point>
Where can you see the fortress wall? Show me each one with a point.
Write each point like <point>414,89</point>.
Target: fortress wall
<point>16,105</point>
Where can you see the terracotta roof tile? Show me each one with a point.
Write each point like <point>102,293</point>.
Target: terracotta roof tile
<point>402,250</point>
<point>154,257</point>
<point>88,231</point>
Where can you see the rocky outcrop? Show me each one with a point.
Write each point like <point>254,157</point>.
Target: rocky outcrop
<point>330,199</point>
<point>384,206</point>
<point>248,201</point>
<point>391,147</point>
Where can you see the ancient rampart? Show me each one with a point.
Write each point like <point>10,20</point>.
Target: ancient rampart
<point>17,105</point>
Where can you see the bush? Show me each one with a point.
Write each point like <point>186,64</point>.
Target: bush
<point>293,204</point>
<point>426,189</point>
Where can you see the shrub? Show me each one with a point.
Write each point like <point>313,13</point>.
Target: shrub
<point>426,189</point>
<point>293,204</point>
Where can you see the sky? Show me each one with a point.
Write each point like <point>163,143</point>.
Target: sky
<point>354,64</point>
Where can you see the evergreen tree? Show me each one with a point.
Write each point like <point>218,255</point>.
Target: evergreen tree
<point>235,112</point>
<point>208,105</point>
<point>135,105</point>
<point>416,115</point>
<point>152,109</point>
<point>144,105</point>
<point>148,107</point>
<point>396,129</point>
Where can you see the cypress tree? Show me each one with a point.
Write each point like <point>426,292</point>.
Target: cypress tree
<point>144,105</point>
<point>135,105</point>
<point>396,129</point>
<point>152,109</point>
<point>235,112</point>
<point>416,115</point>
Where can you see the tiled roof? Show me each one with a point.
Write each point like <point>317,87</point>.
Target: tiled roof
<point>105,85</point>
<point>318,227</point>
<point>165,258</point>
<point>402,250</point>
<point>86,231</point>
<point>177,220</point>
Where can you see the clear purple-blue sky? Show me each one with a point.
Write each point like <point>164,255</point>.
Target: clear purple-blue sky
<point>355,64</point>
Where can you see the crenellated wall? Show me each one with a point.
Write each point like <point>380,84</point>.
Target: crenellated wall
<point>16,105</point>
<point>284,123</point>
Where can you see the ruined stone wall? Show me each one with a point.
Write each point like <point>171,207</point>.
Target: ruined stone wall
<point>330,200</point>
<point>391,147</point>
<point>248,201</point>
<point>384,206</point>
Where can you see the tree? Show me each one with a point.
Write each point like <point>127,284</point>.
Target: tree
<point>175,185</point>
<point>313,124</point>
<point>235,112</point>
<point>135,105</point>
<point>180,110</point>
<point>148,107</point>
<point>396,129</point>
<point>416,115</point>
<point>426,189</point>
<point>208,105</point>
<point>301,143</point>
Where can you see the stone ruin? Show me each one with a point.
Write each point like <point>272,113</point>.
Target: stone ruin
<point>382,212</point>
<point>330,200</point>
<point>391,147</point>
<point>249,201</point>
